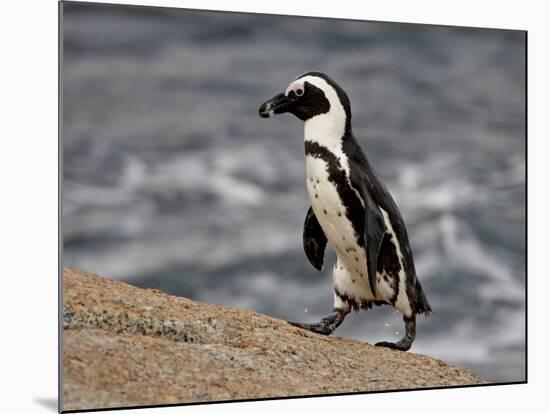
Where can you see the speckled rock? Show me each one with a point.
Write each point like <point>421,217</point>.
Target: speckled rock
<point>127,346</point>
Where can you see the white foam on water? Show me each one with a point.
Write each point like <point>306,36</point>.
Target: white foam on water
<point>171,166</point>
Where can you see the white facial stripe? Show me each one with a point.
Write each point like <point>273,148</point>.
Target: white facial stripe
<point>297,87</point>
<point>327,129</point>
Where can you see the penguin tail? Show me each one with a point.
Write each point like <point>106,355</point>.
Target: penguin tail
<point>422,304</point>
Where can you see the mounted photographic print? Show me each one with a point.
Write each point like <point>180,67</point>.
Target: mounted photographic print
<point>266,206</point>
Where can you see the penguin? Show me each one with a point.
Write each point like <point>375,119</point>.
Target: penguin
<point>351,209</point>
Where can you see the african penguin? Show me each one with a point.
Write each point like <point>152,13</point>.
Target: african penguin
<point>351,209</point>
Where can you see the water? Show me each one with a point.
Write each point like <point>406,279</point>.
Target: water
<point>172,181</point>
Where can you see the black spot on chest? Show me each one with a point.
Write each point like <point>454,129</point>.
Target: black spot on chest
<point>354,210</point>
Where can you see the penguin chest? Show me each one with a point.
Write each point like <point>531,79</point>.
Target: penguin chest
<point>331,215</point>
<point>351,270</point>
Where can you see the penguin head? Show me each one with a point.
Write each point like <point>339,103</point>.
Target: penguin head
<point>309,95</point>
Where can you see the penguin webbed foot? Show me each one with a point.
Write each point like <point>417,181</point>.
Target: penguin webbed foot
<point>405,343</point>
<point>325,326</point>
<point>318,327</point>
<point>399,345</point>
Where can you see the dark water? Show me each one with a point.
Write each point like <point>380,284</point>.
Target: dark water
<point>172,181</point>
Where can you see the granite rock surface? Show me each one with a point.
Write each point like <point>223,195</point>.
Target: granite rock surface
<point>127,346</point>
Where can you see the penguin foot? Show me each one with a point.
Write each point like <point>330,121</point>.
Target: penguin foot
<point>313,327</point>
<point>405,343</point>
<point>400,345</point>
<point>327,325</point>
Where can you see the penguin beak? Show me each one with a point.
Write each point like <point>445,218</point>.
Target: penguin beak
<point>277,105</point>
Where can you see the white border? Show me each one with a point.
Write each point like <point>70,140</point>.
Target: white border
<point>28,173</point>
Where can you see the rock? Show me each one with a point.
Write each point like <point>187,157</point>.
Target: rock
<point>127,346</point>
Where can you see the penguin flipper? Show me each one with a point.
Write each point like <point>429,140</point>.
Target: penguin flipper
<point>315,240</point>
<point>373,232</point>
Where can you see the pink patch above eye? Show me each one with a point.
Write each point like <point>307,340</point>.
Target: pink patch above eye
<point>296,87</point>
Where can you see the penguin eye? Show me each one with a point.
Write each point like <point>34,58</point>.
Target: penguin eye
<point>299,92</point>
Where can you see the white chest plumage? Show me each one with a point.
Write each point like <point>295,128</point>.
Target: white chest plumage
<point>327,205</point>
<point>350,271</point>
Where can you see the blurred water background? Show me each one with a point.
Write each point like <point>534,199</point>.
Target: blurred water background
<point>172,181</point>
